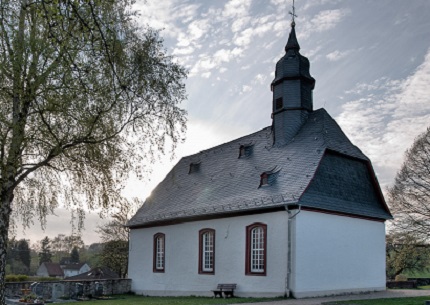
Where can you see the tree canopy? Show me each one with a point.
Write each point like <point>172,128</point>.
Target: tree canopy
<point>45,254</point>
<point>86,95</point>
<point>410,195</point>
<point>405,253</point>
<point>74,255</point>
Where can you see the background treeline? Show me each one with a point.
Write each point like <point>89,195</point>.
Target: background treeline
<point>25,256</point>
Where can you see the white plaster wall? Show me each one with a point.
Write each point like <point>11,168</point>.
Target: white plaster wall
<point>336,254</point>
<point>181,268</point>
<point>42,271</point>
<point>73,272</point>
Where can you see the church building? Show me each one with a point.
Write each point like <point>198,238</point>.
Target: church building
<point>294,209</point>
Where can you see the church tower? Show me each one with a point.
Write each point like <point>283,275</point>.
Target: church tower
<point>292,92</point>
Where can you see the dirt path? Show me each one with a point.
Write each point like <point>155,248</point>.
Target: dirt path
<point>403,293</point>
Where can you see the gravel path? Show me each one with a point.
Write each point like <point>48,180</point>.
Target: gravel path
<point>403,293</point>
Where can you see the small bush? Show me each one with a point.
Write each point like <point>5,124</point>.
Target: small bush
<point>22,277</point>
<point>11,278</point>
<point>401,278</point>
<point>16,278</point>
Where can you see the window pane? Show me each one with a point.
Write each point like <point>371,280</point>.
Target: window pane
<point>159,260</point>
<point>207,251</point>
<point>257,249</point>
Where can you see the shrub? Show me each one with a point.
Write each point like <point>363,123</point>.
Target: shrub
<point>22,277</point>
<point>401,278</point>
<point>11,278</point>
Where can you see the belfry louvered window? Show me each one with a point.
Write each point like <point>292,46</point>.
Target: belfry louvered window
<point>256,248</point>
<point>279,103</point>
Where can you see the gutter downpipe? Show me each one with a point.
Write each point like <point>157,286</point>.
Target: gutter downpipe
<point>291,216</point>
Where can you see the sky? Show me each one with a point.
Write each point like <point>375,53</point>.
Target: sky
<point>370,59</point>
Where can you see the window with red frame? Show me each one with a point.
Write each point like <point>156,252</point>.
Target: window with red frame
<point>256,249</point>
<point>207,251</point>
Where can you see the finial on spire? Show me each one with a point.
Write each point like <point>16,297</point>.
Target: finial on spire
<point>293,14</point>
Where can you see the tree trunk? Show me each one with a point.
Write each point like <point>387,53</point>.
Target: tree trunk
<point>5,211</point>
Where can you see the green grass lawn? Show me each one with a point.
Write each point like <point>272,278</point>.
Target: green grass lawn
<point>396,301</point>
<point>141,300</point>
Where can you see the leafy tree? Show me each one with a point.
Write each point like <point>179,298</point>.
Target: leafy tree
<point>62,245</point>
<point>115,256</point>
<point>410,195</point>
<point>18,256</point>
<point>12,254</point>
<point>74,255</point>
<point>114,234</point>
<point>116,229</point>
<point>405,253</point>
<point>24,253</point>
<point>45,255</point>
<point>86,95</point>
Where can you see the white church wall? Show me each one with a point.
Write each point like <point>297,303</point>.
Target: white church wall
<point>181,275</point>
<point>336,254</point>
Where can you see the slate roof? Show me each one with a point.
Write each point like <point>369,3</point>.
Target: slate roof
<point>292,42</point>
<point>54,269</point>
<point>98,273</point>
<point>73,266</point>
<point>226,183</point>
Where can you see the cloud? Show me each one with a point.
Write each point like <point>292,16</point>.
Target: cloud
<point>236,8</point>
<point>313,3</point>
<point>246,88</point>
<point>323,21</point>
<point>240,23</point>
<point>207,62</point>
<point>158,14</point>
<point>337,55</point>
<point>388,116</point>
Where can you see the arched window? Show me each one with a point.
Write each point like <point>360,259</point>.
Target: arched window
<point>256,249</point>
<point>207,251</point>
<point>159,252</point>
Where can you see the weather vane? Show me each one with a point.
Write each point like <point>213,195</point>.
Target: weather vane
<point>293,14</point>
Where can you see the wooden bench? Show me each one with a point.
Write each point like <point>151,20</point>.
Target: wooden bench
<point>226,289</point>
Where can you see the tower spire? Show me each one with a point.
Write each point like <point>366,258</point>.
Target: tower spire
<point>293,14</point>
<point>292,39</point>
<point>292,90</point>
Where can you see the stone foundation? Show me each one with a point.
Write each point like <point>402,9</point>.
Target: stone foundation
<point>69,289</point>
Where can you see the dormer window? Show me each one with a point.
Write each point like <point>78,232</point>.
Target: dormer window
<point>269,177</point>
<point>245,150</point>
<point>264,179</point>
<point>194,167</point>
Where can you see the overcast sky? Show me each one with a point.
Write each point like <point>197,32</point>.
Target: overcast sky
<point>370,59</point>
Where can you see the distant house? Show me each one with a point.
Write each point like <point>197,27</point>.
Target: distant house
<point>50,270</point>
<point>62,271</point>
<point>98,273</point>
<point>75,269</point>
<point>65,261</point>
<point>292,209</point>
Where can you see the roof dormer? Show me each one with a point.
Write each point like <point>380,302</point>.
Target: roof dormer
<point>194,167</point>
<point>245,150</point>
<point>268,178</point>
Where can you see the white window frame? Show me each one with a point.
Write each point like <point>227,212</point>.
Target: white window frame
<point>207,251</point>
<point>159,252</point>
